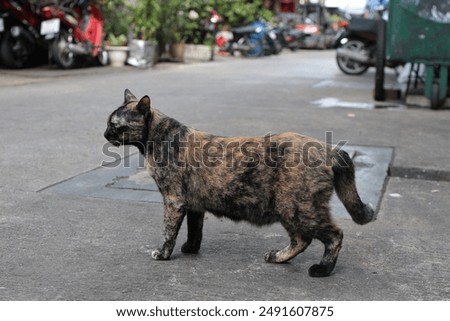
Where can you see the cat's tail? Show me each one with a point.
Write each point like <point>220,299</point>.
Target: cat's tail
<point>344,184</point>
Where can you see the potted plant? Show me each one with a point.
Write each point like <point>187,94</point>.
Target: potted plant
<point>199,39</point>
<point>117,19</point>
<point>144,26</point>
<point>174,22</point>
<point>117,49</point>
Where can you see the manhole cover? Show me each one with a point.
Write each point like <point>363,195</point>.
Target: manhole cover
<point>130,181</point>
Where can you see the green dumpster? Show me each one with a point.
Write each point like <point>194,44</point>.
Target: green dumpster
<point>418,31</point>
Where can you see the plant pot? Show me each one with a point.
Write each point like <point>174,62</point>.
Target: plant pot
<point>142,53</point>
<point>117,55</point>
<point>197,53</point>
<point>176,51</point>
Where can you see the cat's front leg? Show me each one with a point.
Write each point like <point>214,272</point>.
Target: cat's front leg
<point>173,217</point>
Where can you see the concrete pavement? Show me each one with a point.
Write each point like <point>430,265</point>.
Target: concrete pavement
<point>72,247</point>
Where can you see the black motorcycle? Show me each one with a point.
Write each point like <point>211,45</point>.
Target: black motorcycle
<point>356,46</point>
<point>20,43</point>
<point>290,38</point>
<point>253,40</point>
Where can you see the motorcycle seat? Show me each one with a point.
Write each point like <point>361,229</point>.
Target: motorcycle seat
<point>244,29</point>
<point>363,25</point>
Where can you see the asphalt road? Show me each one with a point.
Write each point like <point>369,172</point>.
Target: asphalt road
<point>72,247</point>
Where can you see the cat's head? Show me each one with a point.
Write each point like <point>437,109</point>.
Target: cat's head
<point>128,124</point>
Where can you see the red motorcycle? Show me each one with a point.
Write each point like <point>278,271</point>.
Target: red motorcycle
<point>73,29</point>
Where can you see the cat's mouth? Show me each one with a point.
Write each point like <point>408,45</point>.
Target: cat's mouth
<point>115,142</point>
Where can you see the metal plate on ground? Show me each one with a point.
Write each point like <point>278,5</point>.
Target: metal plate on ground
<point>128,179</point>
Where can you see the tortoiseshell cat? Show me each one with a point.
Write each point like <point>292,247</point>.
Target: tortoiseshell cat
<point>286,178</point>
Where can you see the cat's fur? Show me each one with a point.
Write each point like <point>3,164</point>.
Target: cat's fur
<point>243,178</point>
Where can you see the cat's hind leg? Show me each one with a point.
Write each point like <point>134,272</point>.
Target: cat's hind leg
<point>298,244</point>
<point>331,236</point>
<point>194,231</point>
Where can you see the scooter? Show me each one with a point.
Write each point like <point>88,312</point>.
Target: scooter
<point>248,40</point>
<point>73,29</point>
<point>252,40</point>
<point>20,43</point>
<point>272,42</point>
<point>289,37</point>
<point>356,46</point>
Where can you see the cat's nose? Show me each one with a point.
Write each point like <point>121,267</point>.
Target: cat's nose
<point>107,133</point>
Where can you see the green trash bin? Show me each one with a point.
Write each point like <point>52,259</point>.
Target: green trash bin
<point>418,31</point>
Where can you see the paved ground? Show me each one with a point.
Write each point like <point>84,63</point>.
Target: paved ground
<point>72,247</point>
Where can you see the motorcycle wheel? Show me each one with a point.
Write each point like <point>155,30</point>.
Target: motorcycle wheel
<point>274,46</point>
<point>349,66</point>
<point>257,48</point>
<point>14,52</point>
<point>62,55</point>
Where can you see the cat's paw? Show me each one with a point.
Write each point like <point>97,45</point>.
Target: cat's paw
<point>157,255</point>
<point>320,270</point>
<point>190,248</point>
<point>271,257</point>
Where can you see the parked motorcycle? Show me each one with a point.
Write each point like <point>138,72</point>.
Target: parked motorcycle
<point>316,24</point>
<point>74,29</point>
<point>20,43</point>
<point>289,37</point>
<point>356,46</point>
<point>253,40</point>
<point>272,42</point>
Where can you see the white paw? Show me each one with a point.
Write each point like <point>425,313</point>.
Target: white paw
<point>156,255</point>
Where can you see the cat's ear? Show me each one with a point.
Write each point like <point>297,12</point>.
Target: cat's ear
<point>129,96</point>
<point>143,105</point>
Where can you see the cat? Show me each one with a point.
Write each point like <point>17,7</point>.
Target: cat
<point>286,178</point>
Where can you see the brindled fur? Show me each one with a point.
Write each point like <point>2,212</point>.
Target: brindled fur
<point>287,178</point>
